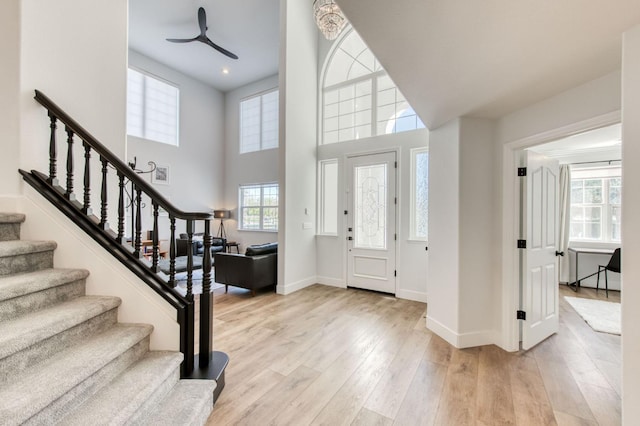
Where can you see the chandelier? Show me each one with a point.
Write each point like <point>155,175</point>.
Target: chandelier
<point>329,18</point>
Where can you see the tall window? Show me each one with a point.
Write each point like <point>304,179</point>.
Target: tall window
<point>419,194</point>
<point>595,204</point>
<point>152,108</point>
<point>359,98</point>
<point>259,207</point>
<point>259,122</point>
<point>328,197</point>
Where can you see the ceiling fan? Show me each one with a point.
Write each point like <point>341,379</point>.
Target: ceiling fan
<point>202,21</point>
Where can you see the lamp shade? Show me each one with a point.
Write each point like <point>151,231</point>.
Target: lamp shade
<point>221,214</point>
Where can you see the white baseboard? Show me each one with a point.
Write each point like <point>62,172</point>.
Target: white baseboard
<point>295,286</point>
<point>416,296</point>
<point>333,282</point>
<point>464,340</point>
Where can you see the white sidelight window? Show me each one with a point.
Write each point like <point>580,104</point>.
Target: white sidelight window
<point>328,197</point>
<point>419,194</point>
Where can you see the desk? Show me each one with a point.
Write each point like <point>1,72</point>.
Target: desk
<point>583,250</point>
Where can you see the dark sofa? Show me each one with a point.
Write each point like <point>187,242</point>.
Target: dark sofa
<point>255,269</point>
<point>217,244</point>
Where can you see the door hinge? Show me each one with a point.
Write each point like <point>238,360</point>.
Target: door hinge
<point>395,164</point>
<point>395,237</point>
<point>522,244</point>
<point>522,171</point>
<point>395,273</point>
<point>346,212</point>
<point>395,200</point>
<point>521,315</point>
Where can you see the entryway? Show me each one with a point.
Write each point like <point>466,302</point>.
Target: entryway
<point>371,222</point>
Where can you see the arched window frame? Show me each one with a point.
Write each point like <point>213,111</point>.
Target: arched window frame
<point>338,126</point>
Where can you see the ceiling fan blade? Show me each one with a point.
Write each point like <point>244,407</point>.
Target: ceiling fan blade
<point>182,40</point>
<point>202,21</point>
<point>218,48</point>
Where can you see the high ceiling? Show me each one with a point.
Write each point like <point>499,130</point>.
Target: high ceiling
<point>454,58</point>
<point>248,28</point>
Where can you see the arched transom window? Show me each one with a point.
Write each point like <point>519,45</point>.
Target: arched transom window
<point>359,99</point>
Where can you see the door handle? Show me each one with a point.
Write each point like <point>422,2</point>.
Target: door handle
<point>559,253</point>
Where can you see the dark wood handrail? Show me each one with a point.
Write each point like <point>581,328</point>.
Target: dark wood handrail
<point>120,165</point>
<point>131,251</point>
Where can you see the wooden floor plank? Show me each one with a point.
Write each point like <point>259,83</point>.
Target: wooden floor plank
<point>330,356</point>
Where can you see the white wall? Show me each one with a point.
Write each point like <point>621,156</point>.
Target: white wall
<point>197,165</point>
<point>248,168</point>
<point>412,258</point>
<point>298,121</point>
<point>9,96</point>
<point>444,232</point>
<point>631,226</point>
<point>479,255</point>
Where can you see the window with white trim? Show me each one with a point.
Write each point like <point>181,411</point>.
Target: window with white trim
<point>419,194</point>
<point>359,98</point>
<point>596,196</point>
<point>259,122</point>
<point>258,207</point>
<point>152,108</point>
<point>328,197</point>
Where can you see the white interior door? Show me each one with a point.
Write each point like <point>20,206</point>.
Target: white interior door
<point>371,222</point>
<point>539,264</point>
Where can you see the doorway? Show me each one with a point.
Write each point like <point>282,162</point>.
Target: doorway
<point>371,222</point>
<point>570,138</point>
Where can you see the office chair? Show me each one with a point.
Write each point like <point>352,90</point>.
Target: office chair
<point>613,266</point>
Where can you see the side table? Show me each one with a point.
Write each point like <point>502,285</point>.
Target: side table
<point>232,244</point>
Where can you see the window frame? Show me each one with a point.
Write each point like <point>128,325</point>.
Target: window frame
<point>261,206</point>
<point>373,77</point>
<point>145,111</point>
<point>259,95</point>
<point>413,235</point>
<point>605,175</point>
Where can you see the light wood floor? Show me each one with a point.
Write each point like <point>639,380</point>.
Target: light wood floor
<point>331,356</point>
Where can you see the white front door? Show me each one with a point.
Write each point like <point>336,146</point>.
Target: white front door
<point>539,264</point>
<point>371,222</point>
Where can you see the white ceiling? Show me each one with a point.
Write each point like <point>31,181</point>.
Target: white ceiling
<point>487,58</point>
<point>602,144</point>
<point>248,28</point>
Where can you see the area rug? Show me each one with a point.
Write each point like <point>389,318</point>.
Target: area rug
<point>181,279</point>
<point>600,315</point>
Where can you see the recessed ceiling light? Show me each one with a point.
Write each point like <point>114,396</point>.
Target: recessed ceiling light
<point>225,70</point>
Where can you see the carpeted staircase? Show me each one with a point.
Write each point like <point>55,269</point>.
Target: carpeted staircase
<point>65,359</point>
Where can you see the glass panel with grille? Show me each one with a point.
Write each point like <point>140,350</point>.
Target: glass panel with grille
<point>370,218</point>
<point>258,207</point>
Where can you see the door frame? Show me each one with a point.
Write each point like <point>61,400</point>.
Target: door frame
<point>345,203</point>
<point>510,338</point>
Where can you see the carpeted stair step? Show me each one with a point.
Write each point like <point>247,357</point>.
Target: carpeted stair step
<point>189,403</point>
<point>25,256</point>
<point>133,395</point>
<point>10,226</point>
<point>31,338</point>
<point>52,389</point>
<point>30,291</point>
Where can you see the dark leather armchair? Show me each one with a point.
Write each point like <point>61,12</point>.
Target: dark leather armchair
<point>217,245</point>
<point>255,269</point>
